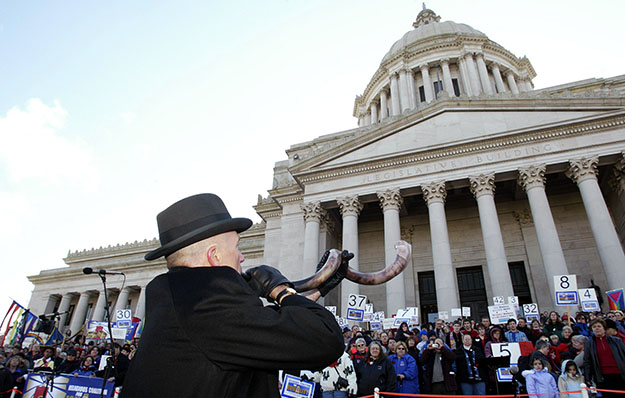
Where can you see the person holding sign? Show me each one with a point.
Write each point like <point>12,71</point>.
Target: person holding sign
<point>205,323</point>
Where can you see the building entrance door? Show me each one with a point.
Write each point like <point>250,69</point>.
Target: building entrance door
<point>472,290</point>
<point>427,296</point>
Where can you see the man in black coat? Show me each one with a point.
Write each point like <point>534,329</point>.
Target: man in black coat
<point>207,334</point>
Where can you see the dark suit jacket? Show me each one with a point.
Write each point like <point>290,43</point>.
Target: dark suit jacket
<point>208,335</point>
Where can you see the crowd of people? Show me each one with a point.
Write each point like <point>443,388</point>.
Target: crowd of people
<point>74,357</point>
<point>447,358</point>
<point>451,358</point>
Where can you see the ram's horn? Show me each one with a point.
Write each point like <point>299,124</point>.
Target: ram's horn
<point>404,251</point>
<point>328,269</point>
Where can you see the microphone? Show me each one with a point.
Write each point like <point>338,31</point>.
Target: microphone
<point>50,315</point>
<point>89,270</point>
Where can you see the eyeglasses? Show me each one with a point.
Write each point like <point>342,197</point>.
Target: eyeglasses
<point>360,345</point>
<point>401,348</point>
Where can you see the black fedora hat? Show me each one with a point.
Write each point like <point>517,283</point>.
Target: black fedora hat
<point>191,220</point>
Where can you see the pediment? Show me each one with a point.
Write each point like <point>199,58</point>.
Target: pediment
<point>448,127</point>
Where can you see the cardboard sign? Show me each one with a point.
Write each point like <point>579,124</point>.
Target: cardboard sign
<point>375,325</point>
<point>499,300</point>
<point>356,305</point>
<point>294,387</point>
<point>456,312</point>
<point>387,323</point>
<point>66,386</point>
<point>530,311</point>
<point>466,311</point>
<point>588,297</point>
<point>332,309</point>
<point>565,289</point>
<point>444,315</point>
<point>500,314</point>
<point>512,350</point>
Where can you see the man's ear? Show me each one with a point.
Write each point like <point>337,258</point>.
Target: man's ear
<point>212,256</point>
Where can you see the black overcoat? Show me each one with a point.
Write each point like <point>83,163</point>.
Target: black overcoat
<point>208,335</point>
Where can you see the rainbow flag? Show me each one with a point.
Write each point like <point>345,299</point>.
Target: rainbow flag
<point>616,299</point>
<point>17,323</point>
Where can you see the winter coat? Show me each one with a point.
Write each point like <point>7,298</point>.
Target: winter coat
<point>540,382</point>
<point>407,366</point>
<point>462,371</point>
<point>592,366</point>
<point>568,383</point>
<point>502,339</point>
<point>581,328</point>
<point>553,328</point>
<point>207,325</point>
<point>329,376</point>
<point>447,360</point>
<point>372,374</point>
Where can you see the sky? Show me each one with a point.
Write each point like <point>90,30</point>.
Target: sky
<point>111,111</point>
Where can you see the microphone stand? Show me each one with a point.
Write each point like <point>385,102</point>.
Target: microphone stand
<point>109,360</point>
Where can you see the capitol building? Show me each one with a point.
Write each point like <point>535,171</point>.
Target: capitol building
<point>497,185</point>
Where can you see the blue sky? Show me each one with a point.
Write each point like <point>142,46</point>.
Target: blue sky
<point>110,111</point>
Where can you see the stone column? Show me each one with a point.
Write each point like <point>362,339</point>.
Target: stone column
<point>122,301</point>
<point>532,179</point>
<point>474,79</point>
<point>368,119</point>
<point>445,278</point>
<point>464,76</point>
<point>64,306</point>
<point>140,310</point>
<point>584,173</point>
<point>350,208</point>
<point>99,310</point>
<point>448,85</point>
<point>390,202</point>
<point>483,188</point>
<point>412,91</point>
<point>395,105</point>
<point>483,72</point>
<point>403,91</point>
<point>374,112</point>
<point>427,82</point>
<point>512,82</point>
<point>312,218</point>
<point>383,105</point>
<point>80,312</point>
<point>501,88</point>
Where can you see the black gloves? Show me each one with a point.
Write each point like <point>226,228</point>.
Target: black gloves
<point>263,279</point>
<point>338,276</point>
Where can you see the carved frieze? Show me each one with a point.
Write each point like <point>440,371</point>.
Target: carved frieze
<point>582,169</point>
<point>350,205</point>
<point>434,192</point>
<point>483,184</point>
<point>390,199</point>
<point>532,176</point>
<point>524,217</point>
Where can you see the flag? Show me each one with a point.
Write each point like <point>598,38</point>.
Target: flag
<point>616,299</point>
<point>12,319</point>
<point>55,337</point>
<point>26,323</point>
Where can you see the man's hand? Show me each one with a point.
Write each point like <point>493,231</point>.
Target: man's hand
<point>263,279</point>
<point>338,276</point>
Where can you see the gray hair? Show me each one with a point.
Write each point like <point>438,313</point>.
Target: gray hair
<point>567,328</point>
<point>361,340</point>
<point>581,339</point>
<point>540,344</point>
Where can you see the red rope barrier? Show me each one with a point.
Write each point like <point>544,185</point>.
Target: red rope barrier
<point>489,396</point>
<point>12,389</point>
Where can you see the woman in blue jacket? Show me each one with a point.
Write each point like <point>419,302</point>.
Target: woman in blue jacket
<point>406,369</point>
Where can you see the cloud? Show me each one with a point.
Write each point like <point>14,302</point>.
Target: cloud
<point>31,147</point>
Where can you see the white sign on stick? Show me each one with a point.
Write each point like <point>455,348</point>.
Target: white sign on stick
<point>444,315</point>
<point>123,315</point>
<point>456,312</point>
<point>387,323</point>
<point>466,311</point>
<point>588,297</point>
<point>530,311</point>
<point>514,300</point>
<point>368,308</point>
<point>565,289</point>
<point>356,304</point>
<point>499,314</point>
<point>512,350</point>
<point>332,309</point>
<point>499,300</point>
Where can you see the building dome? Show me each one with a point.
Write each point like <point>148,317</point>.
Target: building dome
<point>438,60</point>
<point>426,29</point>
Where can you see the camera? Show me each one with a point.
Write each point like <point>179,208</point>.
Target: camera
<point>435,345</point>
<point>341,383</point>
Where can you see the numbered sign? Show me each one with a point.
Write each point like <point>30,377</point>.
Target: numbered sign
<point>368,308</point>
<point>499,300</point>
<point>378,316</point>
<point>123,318</point>
<point>512,350</point>
<point>530,311</point>
<point>466,311</point>
<point>375,325</point>
<point>398,321</point>
<point>342,322</point>
<point>332,309</point>
<point>513,300</point>
<point>356,304</point>
<point>565,289</point>
<point>588,297</point>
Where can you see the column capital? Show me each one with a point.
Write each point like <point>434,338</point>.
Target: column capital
<point>444,61</point>
<point>467,54</point>
<point>532,176</point>
<point>493,65</point>
<point>423,67</point>
<point>374,102</point>
<point>479,54</point>
<point>394,75</point>
<point>434,192</point>
<point>390,199</point>
<point>312,211</point>
<point>350,205</point>
<point>483,184</point>
<point>509,72</point>
<point>582,169</point>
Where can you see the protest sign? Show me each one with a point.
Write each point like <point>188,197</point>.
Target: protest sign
<point>36,385</point>
<point>356,304</point>
<point>294,387</point>
<point>530,311</point>
<point>500,314</point>
<point>588,298</point>
<point>565,287</point>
